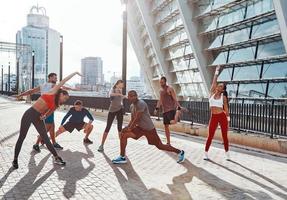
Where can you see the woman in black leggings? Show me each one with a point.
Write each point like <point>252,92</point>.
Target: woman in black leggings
<point>35,115</point>
<point>115,110</point>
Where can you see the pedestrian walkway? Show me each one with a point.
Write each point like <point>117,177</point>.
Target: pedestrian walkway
<point>149,174</point>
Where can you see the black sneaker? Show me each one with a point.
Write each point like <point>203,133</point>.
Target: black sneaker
<point>88,141</point>
<point>57,146</point>
<point>15,164</point>
<point>36,148</point>
<point>59,161</point>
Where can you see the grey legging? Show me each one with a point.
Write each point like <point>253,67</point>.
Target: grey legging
<point>32,116</point>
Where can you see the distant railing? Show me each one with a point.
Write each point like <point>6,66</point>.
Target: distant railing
<point>268,116</point>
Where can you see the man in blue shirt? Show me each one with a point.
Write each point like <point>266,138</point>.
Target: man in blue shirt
<point>77,114</point>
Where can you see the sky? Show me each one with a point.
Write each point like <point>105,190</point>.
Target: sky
<point>89,28</point>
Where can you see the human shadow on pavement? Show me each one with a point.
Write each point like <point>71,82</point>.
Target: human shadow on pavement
<point>9,137</point>
<point>134,187</point>
<point>224,188</point>
<point>257,182</point>
<point>74,169</point>
<point>27,185</point>
<point>5,177</point>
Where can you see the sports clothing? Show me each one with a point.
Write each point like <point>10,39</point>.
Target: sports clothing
<point>168,102</point>
<point>50,119</point>
<point>50,100</point>
<point>77,116</point>
<point>168,116</point>
<point>111,116</point>
<point>116,101</point>
<point>216,102</point>
<point>70,126</point>
<point>145,122</point>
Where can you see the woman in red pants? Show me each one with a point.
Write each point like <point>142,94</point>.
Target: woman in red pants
<point>219,114</point>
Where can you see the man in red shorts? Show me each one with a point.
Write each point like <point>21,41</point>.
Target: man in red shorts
<point>142,125</point>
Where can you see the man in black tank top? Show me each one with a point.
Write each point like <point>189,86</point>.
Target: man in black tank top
<point>170,106</point>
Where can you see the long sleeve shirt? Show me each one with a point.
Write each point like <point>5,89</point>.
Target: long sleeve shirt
<point>77,116</point>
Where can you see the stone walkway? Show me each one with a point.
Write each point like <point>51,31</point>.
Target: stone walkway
<point>149,174</point>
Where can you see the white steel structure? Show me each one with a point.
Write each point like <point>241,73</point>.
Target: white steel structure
<point>185,39</point>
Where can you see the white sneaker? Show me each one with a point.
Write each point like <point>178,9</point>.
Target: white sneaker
<point>206,156</point>
<point>227,155</point>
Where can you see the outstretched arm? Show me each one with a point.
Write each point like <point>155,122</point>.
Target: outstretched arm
<point>214,82</point>
<point>69,88</point>
<point>29,92</point>
<point>59,85</point>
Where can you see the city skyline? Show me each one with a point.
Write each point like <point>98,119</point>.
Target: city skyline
<point>100,35</point>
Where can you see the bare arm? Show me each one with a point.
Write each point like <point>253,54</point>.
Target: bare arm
<point>214,82</point>
<point>29,92</point>
<point>135,119</point>
<point>59,85</point>
<point>173,94</point>
<point>69,88</point>
<point>225,106</point>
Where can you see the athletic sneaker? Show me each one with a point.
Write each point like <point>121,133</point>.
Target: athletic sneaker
<point>15,164</point>
<point>120,160</point>
<point>88,141</point>
<point>227,155</point>
<point>36,148</point>
<point>57,146</point>
<point>59,161</point>
<point>101,148</point>
<point>181,157</point>
<point>206,156</point>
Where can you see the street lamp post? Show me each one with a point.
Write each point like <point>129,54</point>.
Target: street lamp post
<point>61,57</point>
<point>33,69</point>
<point>2,81</point>
<point>124,58</point>
<point>9,77</point>
<point>17,76</point>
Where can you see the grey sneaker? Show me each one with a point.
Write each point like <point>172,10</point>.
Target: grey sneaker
<point>101,148</point>
<point>57,146</point>
<point>36,148</point>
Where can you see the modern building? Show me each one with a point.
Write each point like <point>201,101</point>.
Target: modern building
<point>185,40</point>
<point>135,83</point>
<point>44,41</point>
<point>92,71</point>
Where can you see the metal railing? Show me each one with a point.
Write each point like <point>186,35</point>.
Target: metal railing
<point>265,116</point>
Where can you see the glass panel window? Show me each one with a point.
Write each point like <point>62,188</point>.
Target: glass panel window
<point>231,90</point>
<point>244,54</point>
<point>259,7</point>
<point>275,70</point>
<point>216,42</point>
<point>221,58</point>
<point>255,90</point>
<point>237,36</point>
<point>271,49</point>
<point>277,90</point>
<point>180,64</point>
<point>247,73</point>
<point>225,75</point>
<point>265,29</point>
<point>231,18</point>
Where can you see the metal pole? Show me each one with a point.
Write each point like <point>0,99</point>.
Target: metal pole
<point>2,80</point>
<point>33,69</point>
<point>9,77</point>
<point>17,76</point>
<point>124,58</point>
<point>61,58</point>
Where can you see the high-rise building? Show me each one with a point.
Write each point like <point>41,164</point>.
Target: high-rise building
<point>185,40</point>
<point>92,71</point>
<point>44,41</point>
<point>135,83</point>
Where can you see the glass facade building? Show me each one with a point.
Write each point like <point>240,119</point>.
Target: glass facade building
<point>185,40</point>
<point>44,41</point>
<point>92,71</point>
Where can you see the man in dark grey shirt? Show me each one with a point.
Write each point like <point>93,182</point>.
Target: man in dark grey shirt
<point>142,125</point>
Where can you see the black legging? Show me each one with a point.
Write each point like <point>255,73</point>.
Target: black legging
<point>32,116</point>
<point>111,117</point>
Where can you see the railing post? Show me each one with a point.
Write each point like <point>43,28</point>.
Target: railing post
<point>33,69</point>
<point>271,124</point>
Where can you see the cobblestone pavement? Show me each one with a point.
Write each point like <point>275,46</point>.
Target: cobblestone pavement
<point>149,174</point>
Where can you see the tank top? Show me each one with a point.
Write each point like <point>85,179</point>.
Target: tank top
<point>168,103</point>
<point>49,100</point>
<point>216,102</point>
<point>46,87</point>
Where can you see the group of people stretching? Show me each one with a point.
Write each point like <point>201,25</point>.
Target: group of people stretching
<point>41,115</point>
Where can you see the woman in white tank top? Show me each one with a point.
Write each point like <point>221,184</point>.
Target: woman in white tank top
<point>219,114</point>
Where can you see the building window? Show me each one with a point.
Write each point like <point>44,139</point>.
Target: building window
<point>271,49</point>
<point>247,73</point>
<point>275,70</point>
<point>231,90</point>
<point>225,75</point>
<point>255,90</point>
<point>267,28</point>
<point>277,90</point>
<point>259,7</point>
<point>240,55</point>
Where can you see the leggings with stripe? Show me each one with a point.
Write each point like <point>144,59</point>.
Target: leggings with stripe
<point>31,116</point>
<point>216,119</point>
